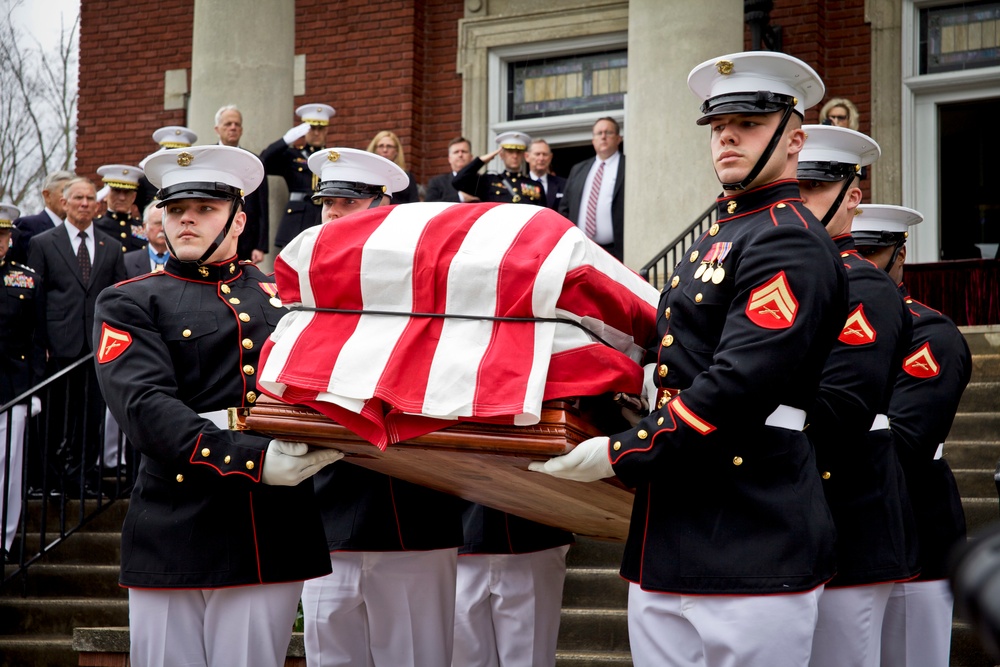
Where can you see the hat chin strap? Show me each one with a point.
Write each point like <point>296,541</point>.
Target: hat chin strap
<point>376,201</point>
<point>837,202</point>
<point>765,156</point>
<point>895,255</point>
<point>215,243</point>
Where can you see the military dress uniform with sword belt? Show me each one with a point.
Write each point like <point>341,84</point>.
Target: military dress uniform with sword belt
<point>848,427</point>
<point>730,540</point>
<point>289,159</point>
<point>512,185</point>
<point>219,534</point>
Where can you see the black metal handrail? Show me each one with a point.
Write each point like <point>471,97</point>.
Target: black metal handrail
<point>676,249</point>
<point>42,481</point>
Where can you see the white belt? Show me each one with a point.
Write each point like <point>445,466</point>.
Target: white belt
<point>218,417</point>
<point>785,416</point>
<point>880,423</point>
<point>940,452</point>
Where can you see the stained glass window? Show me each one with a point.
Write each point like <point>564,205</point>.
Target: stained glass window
<point>959,37</point>
<point>567,85</point>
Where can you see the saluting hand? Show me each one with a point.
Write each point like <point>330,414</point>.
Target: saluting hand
<point>290,463</point>
<point>588,462</point>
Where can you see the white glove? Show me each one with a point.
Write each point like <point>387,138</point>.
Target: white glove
<point>588,462</point>
<point>289,463</point>
<point>36,406</point>
<point>102,194</point>
<point>296,133</point>
<point>649,385</point>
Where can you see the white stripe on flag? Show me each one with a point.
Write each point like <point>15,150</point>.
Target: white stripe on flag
<point>472,287</point>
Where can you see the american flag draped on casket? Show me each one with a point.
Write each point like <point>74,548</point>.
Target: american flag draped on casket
<point>392,372</point>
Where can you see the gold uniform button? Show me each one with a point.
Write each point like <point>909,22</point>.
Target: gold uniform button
<point>251,397</point>
<point>661,370</point>
<point>249,465</point>
<point>666,313</point>
<point>248,369</point>
<point>616,446</point>
<point>186,333</point>
<point>180,478</point>
<point>676,281</point>
<point>780,206</point>
<point>234,301</point>
<point>826,475</point>
<point>247,344</point>
<point>121,223</point>
<point>659,422</point>
<point>225,289</point>
<point>698,297</point>
<point>20,296</point>
<point>909,301</point>
<point>668,340</point>
<point>227,459</point>
<point>300,168</point>
<point>737,460</point>
<point>244,317</point>
<point>642,434</point>
<point>124,235</point>
<point>288,211</point>
<point>714,229</point>
<point>694,257</point>
<point>844,254</point>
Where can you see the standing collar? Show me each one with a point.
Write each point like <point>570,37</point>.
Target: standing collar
<point>727,208</point>
<point>207,273</point>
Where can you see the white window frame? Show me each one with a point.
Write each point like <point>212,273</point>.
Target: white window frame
<point>922,94</point>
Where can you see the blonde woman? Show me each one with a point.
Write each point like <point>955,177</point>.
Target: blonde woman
<point>841,112</point>
<point>388,145</point>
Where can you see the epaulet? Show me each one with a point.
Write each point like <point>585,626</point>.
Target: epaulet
<point>787,212</point>
<point>23,267</point>
<point>144,276</point>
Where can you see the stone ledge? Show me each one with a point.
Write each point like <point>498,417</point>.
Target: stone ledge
<point>108,647</point>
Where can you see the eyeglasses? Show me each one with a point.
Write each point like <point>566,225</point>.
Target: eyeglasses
<point>605,133</point>
<point>837,117</point>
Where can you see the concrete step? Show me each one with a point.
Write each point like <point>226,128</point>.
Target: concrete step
<point>966,649</point>
<point>981,397</point>
<point>588,552</point>
<point>89,581</point>
<point>58,616</point>
<point>985,367</point>
<point>982,339</point>
<point>975,483</point>
<point>593,659</point>
<point>110,518</point>
<point>595,588</point>
<point>981,426</point>
<point>81,548</point>
<point>593,630</point>
<point>972,454</point>
<point>980,513</point>
<point>49,650</point>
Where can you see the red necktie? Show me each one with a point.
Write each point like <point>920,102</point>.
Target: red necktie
<point>595,192</point>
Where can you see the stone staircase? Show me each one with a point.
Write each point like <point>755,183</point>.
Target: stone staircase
<point>76,584</point>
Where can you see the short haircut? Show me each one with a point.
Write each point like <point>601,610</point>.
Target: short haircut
<point>539,141</point>
<point>77,179</point>
<point>459,140</point>
<point>618,128</point>
<point>151,206</point>
<point>54,177</point>
<point>222,110</point>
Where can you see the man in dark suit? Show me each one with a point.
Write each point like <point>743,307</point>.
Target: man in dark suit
<point>28,225</point>
<point>539,159</point>
<point>254,241</point>
<point>607,218</point>
<point>75,262</point>
<point>440,188</point>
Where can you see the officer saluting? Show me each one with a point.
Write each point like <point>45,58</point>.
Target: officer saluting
<point>937,367</point>
<point>731,541</point>
<point>22,365</point>
<point>288,158</point>
<point>218,538</point>
<point>862,479</point>
<point>512,185</point>
<point>122,182</point>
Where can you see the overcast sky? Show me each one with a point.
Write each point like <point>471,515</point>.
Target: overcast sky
<point>41,19</point>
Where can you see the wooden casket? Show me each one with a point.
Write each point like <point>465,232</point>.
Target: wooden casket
<point>484,463</point>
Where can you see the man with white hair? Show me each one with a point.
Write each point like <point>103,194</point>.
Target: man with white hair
<point>253,242</point>
<point>54,213</point>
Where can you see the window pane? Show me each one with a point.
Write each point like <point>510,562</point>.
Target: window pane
<point>960,36</point>
<point>567,85</point>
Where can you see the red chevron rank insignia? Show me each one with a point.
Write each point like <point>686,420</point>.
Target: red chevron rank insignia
<point>772,305</point>
<point>858,330</point>
<point>113,343</point>
<point>922,364</point>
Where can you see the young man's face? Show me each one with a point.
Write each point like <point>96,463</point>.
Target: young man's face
<point>819,196</point>
<point>738,141</point>
<point>192,225</point>
<point>338,207</point>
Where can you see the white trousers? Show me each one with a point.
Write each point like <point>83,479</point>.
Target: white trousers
<point>226,627</point>
<point>507,608</point>
<point>667,630</point>
<point>849,630</point>
<point>10,506</point>
<point>916,631</point>
<point>382,609</point>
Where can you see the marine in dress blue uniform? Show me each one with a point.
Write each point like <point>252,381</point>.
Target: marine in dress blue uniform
<point>393,545</point>
<point>218,521</point>
<point>862,478</point>
<point>288,158</point>
<point>22,365</point>
<point>916,631</point>
<point>511,185</point>
<point>118,222</point>
<point>730,540</point>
